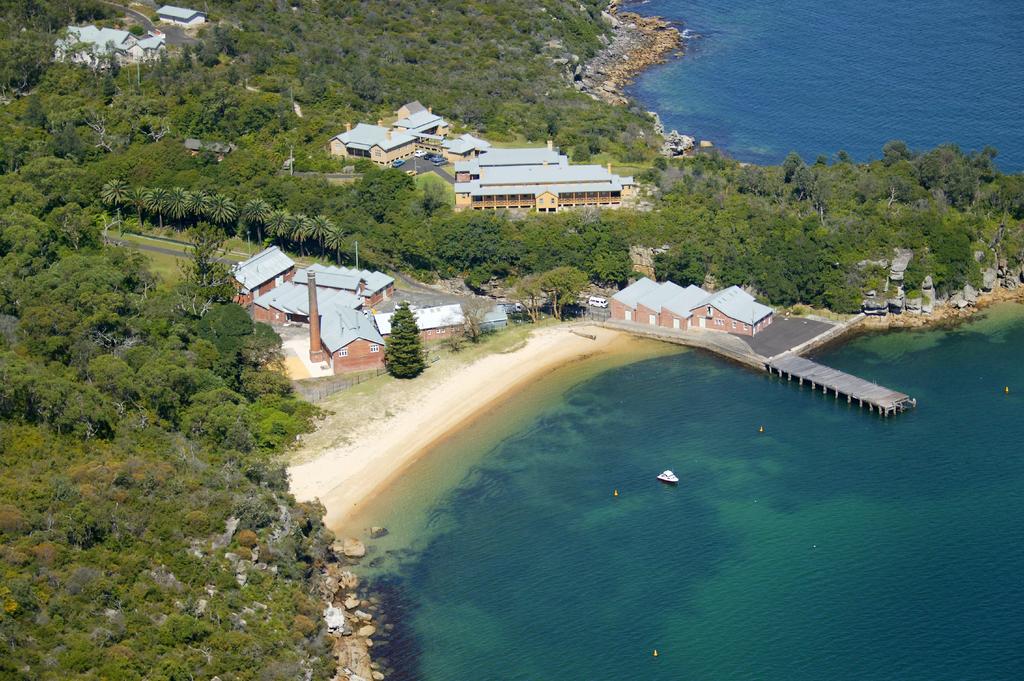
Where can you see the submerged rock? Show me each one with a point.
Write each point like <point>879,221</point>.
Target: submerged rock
<point>378,532</point>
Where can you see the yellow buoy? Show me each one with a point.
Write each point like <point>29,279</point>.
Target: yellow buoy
<point>655,652</point>
<point>616,493</point>
<point>761,429</point>
<point>1006,390</point>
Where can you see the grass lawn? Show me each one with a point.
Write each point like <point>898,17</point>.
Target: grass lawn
<point>166,266</point>
<point>424,179</point>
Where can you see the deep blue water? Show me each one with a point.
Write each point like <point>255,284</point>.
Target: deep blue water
<point>764,78</point>
<point>836,545</point>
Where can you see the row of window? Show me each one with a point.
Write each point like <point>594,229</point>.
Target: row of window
<point>344,351</point>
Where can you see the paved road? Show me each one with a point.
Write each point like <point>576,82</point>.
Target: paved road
<point>785,333</point>
<point>172,34</point>
<point>160,249</point>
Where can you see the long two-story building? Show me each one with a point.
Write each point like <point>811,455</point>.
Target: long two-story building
<point>539,179</point>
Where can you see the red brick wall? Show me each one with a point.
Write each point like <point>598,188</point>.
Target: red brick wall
<point>359,357</point>
<point>246,299</point>
<point>381,296</point>
<point>719,321</point>
<point>619,310</point>
<point>666,320</point>
<point>269,315</point>
<point>643,315</point>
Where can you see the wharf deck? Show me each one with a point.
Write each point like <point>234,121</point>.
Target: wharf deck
<point>875,396</point>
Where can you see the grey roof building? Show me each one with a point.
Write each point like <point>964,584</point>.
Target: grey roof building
<point>293,299</point>
<point>343,325</point>
<point>683,304</point>
<point>421,122</point>
<point>181,15</point>
<point>347,279</point>
<point>263,267</point>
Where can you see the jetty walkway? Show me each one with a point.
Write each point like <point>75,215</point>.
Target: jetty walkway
<point>788,342</point>
<point>875,396</point>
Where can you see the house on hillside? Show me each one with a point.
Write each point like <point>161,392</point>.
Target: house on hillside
<point>539,179</point>
<point>409,109</point>
<point>182,16</point>
<point>422,123</point>
<point>375,142</point>
<point>218,149</point>
<point>434,323</point>
<point>261,273</point>
<point>671,306</point>
<point>97,47</point>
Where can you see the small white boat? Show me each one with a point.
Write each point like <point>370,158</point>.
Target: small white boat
<point>668,477</point>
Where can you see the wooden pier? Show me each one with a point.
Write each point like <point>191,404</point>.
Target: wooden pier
<point>876,397</point>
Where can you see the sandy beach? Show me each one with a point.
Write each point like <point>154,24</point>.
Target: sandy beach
<point>355,453</point>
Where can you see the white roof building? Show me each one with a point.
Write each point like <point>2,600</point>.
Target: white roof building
<point>182,16</point>
<point>364,137</point>
<point>93,45</point>
<point>427,318</point>
<point>733,302</point>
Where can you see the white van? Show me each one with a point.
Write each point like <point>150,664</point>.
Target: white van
<point>597,301</point>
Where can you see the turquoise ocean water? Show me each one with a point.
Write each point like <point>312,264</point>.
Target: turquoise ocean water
<point>836,545</point>
<point>763,78</point>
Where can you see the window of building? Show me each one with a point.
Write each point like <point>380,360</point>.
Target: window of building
<point>343,352</point>
<point>734,324</point>
<point>374,348</point>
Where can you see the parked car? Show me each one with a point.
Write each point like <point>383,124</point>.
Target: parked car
<point>398,163</point>
<point>597,301</point>
<point>512,308</point>
<point>435,158</point>
<point>419,153</point>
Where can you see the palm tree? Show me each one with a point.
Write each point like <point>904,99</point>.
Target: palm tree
<point>254,214</point>
<point>156,202</point>
<point>335,240</point>
<point>319,226</point>
<point>137,199</point>
<point>299,229</point>
<point>222,210</point>
<point>115,193</point>
<point>177,204</point>
<point>277,223</point>
<point>197,204</point>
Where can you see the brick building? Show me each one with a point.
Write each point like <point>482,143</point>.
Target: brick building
<point>261,273</point>
<point>371,287</point>
<point>671,306</point>
<point>434,323</point>
<point>346,338</point>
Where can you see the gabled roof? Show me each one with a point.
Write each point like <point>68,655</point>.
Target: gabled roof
<point>414,107</point>
<point>328,276</point>
<point>654,298</point>
<point>365,136</point>
<point>294,299</point>
<point>737,304</point>
<point>513,157</point>
<point>465,144</point>
<point>419,121</point>
<point>438,317</point>
<point>103,39</point>
<point>684,301</point>
<point>632,293</point>
<point>342,326</point>
<point>181,13</point>
<point>151,42</point>
<point>262,267</point>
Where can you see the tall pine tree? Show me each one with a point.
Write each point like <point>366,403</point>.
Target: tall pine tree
<point>403,353</point>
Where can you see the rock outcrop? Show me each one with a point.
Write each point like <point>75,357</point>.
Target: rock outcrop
<point>637,43</point>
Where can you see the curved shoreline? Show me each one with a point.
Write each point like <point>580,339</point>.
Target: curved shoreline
<point>418,415</point>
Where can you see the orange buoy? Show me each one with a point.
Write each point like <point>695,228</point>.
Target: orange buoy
<point>615,493</point>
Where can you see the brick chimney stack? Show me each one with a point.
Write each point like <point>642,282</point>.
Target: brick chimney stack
<point>609,168</point>
<point>430,109</point>
<point>348,127</point>
<point>551,145</point>
<point>316,352</point>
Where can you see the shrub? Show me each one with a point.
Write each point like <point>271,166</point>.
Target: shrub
<point>248,539</point>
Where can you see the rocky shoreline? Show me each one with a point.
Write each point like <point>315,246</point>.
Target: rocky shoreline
<point>637,43</point>
<point>353,617</point>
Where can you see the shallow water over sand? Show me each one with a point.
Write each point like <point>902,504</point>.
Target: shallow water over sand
<point>835,545</point>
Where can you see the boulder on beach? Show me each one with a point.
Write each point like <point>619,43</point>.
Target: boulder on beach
<point>366,631</point>
<point>970,294</point>
<point>353,548</point>
<point>988,279</point>
<point>348,580</point>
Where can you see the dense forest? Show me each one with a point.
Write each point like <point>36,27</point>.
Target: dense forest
<point>137,417</point>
